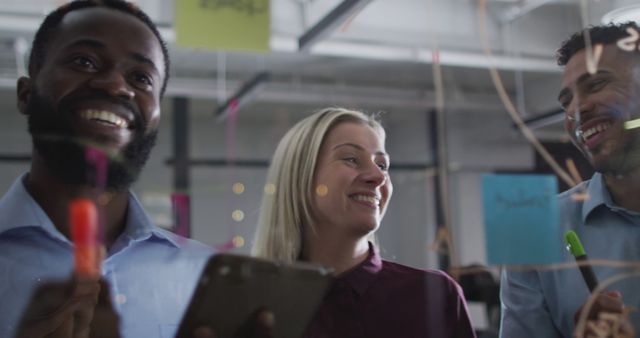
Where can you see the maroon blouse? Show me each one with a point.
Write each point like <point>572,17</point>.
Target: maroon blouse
<point>384,299</point>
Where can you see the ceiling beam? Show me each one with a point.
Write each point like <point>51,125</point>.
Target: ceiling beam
<point>347,95</point>
<point>241,96</point>
<point>330,22</point>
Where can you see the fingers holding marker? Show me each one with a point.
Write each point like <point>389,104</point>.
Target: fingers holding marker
<point>63,309</point>
<point>606,302</point>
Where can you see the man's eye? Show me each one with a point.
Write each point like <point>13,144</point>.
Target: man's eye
<point>142,78</point>
<point>565,101</point>
<point>350,159</point>
<point>596,85</point>
<point>84,62</point>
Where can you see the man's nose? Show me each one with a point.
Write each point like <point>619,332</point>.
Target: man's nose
<point>579,108</point>
<point>114,83</point>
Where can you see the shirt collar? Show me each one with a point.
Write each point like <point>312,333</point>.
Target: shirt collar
<point>599,195</point>
<point>596,195</point>
<point>19,209</point>
<point>360,277</point>
<point>140,227</point>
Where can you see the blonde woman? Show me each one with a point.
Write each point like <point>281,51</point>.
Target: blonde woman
<point>328,189</point>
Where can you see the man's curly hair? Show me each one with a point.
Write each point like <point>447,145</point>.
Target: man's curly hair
<point>605,34</point>
<point>48,28</point>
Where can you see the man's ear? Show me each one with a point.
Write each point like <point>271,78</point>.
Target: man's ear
<point>23,93</point>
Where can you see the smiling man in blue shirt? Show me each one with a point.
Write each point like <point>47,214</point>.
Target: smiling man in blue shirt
<point>97,72</point>
<point>546,303</point>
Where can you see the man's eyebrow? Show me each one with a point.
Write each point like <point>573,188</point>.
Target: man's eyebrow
<point>357,146</point>
<point>581,79</point>
<point>96,44</point>
<point>91,43</point>
<point>144,59</point>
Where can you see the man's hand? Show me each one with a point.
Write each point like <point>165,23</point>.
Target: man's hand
<point>258,325</point>
<point>106,322</point>
<point>78,308</point>
<point>607,317</point>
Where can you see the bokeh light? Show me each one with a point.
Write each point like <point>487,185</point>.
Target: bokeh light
<point>237,215</point>
<point>270,189</point>
<point>238,188</point>
<point>238,241</point>
<point>121,299</point>
<point>322,190</point>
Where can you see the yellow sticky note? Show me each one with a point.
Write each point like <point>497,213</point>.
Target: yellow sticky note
<point>223,24</point>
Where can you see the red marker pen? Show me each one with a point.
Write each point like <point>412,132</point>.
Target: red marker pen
<point>83,217</point>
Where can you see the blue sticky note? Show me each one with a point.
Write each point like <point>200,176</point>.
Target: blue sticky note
<point>521,219</point>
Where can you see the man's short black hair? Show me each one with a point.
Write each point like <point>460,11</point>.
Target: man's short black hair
<point>605,34</point>
<point>50,25</point>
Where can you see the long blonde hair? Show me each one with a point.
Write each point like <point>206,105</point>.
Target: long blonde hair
<point>285,211</point>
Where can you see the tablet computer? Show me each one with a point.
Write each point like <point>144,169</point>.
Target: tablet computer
<point>233,287</point>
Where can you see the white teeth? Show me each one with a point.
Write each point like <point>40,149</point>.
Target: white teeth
<point>595,129</point>
<point>366,198</point>
<point>105,117</point>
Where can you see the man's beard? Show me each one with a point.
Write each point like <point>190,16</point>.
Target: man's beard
<point>622,161</point>
<point>65,152</point>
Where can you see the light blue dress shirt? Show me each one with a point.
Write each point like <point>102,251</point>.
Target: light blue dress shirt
<point>152,272</point>
<point>542,303</point>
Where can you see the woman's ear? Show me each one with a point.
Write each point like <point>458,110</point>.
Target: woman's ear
<point>23,93</point>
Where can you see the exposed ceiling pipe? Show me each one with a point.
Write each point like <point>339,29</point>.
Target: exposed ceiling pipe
<point>328,94</point>
<point>279,43</point>
<point>330,22</point>
<point>543,120</point>
<point>242,96</point>
<point>520,10</point>
<point>422,55</point>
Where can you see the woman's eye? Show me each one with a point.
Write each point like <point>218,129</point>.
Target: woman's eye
<point>350,159</point>
<point>383,166</point>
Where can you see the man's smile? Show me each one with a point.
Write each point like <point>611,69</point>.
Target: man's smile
<point>105,117</point>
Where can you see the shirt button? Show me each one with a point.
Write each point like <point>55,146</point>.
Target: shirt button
<point>121,299</point>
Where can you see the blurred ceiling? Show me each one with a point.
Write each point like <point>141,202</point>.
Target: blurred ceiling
<point>381,57</point>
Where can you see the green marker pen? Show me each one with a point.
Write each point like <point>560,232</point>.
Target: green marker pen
<point>577,250</point>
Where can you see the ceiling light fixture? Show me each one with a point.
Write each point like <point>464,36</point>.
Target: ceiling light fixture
<point>623,14</point>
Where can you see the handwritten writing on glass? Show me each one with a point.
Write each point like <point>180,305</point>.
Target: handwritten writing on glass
<point>522,199</point>
<point>630,43</point>
<point>248,7</point>
<point>593,58</point>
